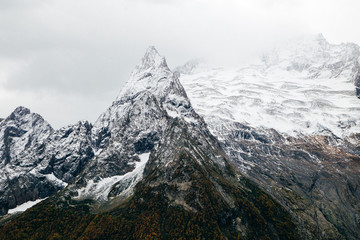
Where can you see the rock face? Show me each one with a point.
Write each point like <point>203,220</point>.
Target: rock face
<point>156,173</point>
<point>291,125</point>
<point>316,177</point>
<point>67,152</point>
<point>22,136</point>
<point>37,161</point>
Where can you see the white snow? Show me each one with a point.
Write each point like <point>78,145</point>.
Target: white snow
<point>51,177</point>
<point>24,206</point>
<point>152,75</point>
<point>100,190</point>
<point>304,87</point>
<point>98,152</point>
<point>172,114</point>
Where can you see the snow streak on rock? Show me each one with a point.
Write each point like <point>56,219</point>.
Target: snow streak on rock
<point>100,190</point>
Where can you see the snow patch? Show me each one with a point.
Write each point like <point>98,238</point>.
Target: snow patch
<point>172,114</point>
<point>100,190</point>
<point>51,177</point>
<point>24,206</point>
<point>98,152</point>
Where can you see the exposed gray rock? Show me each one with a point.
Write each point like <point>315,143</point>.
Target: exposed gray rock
<point>37,161</point>
<point>315,177</point>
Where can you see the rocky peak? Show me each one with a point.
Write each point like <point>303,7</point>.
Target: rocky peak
<point>23,118</point>
<point>151,80</point>
<point>133,125</point>
<point>152,61</point>
<point>19,112</point>
<point>153,75</point>
<point>321,40</point>
<point>20,132</point>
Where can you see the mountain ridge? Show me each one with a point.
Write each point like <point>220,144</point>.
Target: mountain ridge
<point>152,167</point>
<point>183,173</point>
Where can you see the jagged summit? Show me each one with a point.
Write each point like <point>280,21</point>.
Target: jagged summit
<point>134,123</point>
<point>154,76</point>
<point>36,160</point>
<point>18,112</point>
<point>26,120</point>
<point>320,37</point>
<point>152,61</point>
<point>152,58</point>
<point>21,110</point>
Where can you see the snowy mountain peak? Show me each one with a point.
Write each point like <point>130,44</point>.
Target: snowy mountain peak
<point>19,112</point>
<point>24,119</point>
<point>151,84</point>
<point>152,75</point>
<point>152,61</point>
<point>152,56</point>
<point>320,37</point>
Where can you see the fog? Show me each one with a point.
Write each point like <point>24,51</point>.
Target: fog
<point>67,60</point>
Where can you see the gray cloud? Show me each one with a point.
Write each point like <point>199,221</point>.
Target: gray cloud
<point>81,52</point>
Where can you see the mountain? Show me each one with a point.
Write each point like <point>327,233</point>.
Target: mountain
<point>22,135</point>
<point>148,168</point>
<point>37,161</point>
<point>267,151</point>
<point>291,124</point>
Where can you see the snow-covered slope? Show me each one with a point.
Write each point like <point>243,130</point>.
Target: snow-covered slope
<point>305,86</point>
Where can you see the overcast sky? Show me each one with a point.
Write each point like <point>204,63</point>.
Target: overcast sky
<point>67,60</point>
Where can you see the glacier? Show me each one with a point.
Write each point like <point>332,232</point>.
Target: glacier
<point>302,87</point>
